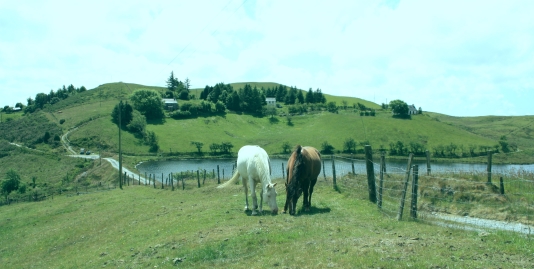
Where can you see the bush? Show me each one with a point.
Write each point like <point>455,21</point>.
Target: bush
<point>61,121</point>
<point>181,115</point>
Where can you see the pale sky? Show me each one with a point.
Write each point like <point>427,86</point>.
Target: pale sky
<point>460,58</point>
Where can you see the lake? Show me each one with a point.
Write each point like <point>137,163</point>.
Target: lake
<point>343,166</point>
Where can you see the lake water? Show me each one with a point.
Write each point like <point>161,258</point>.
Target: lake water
<point>343,166</point>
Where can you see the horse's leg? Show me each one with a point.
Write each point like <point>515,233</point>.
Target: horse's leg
<point>312,184</point>
<point>261,201</point>
<point>305,200</point>
<point>246,193</point>
<point>252,186</point>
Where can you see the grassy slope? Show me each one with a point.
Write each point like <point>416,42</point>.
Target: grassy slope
<point>141,227</point>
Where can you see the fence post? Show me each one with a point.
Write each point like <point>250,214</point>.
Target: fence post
<point>161,180</point>
<point>218,176</point>
<point>145,179</point>
<point>413,208</point>
<point>489,166</point>
<point>352,162</point>
<point>283,174</point>
<point>381,183</point>
<point>334,172</point>
<point>183,182</point>
<point>403,196</point>
<point>502,186</point>
<point>172,182</point>
<point>370,173</point>
<point>324,172</point>
<point>204,180</point>
<point>198,178</point>
<point>154,180</point>
<point>428,169</point>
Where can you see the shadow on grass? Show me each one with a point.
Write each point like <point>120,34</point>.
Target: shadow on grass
<point>273,120</point>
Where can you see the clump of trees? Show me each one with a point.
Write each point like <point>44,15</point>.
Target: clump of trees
<point>135,122</point>
<point>177,89</point>
<point>11,183</point>
<point>42,99</point>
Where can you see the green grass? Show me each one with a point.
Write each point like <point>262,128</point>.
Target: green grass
<point>142,227</point>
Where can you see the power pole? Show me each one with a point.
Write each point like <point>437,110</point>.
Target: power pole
<point>120,149</point>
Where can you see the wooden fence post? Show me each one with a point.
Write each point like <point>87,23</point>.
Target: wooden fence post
<point>403,196</point>
<point>381,183</point>
<point>161,180</point>
<point>370,173</point>
<point>198,178</point>
<point>183,182</point>
<point>218,176</point>
<point>172,182</point>
<point>334,172</point>
<point>146,179</point>
<point>283,174</point>
<point>428,168</point>
<point>204,180</point>
<point>154,180</point>
<point>413,208</point>
<point>324,172</point>
<point>489,166</point>
<point>352,162</point>
<point>502,186</point>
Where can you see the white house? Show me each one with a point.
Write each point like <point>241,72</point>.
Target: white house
<point>271,101</point>
<point>412,110</point>
<point>170,104</point>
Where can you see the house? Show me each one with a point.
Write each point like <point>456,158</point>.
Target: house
<point>412,110</point>
<point>270,101</point>
<point>170,104</point>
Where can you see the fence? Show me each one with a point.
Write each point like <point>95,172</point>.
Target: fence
<point>473,200</point>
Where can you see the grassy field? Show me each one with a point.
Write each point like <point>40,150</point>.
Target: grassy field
<point>141,227</point>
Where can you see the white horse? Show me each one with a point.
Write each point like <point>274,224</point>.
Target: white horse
<point>253,164</point>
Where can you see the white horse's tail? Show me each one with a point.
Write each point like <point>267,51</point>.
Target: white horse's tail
<point>232,180</point>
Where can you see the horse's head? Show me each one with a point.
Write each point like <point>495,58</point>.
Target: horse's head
<point>269,195</point>
<point>294,191</point>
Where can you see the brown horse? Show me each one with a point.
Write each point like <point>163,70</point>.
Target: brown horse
<point>303,167</point>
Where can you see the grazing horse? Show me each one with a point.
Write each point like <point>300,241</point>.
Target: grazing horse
<point>303,167</point>
<point>254,167</point>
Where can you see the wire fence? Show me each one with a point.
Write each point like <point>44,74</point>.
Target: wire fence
<point>474,200</point>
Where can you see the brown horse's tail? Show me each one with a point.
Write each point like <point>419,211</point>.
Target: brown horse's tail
<point>232,180</point>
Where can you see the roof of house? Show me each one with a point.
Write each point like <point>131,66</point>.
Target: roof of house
<point>169,101</point>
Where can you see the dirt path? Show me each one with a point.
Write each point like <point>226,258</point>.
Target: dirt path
<point>115,164</point>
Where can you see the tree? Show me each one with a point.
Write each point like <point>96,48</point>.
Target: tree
<point>349,145</point>
<point>399,108</point>
<point>11,182</point>
<point>171,82</point>
<point>286,147</point>
<point>149,103</point>
<point>137,123</point>
<point>270,110</point>
<point>326,148</point>
<point>219,107</point>
<point>503,142</point>
<point>126,113</point>
<point>331,106</point>
<point>198,145</point>
<point>309,97</point>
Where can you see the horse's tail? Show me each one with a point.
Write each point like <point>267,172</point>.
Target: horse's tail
<point>232,180</point>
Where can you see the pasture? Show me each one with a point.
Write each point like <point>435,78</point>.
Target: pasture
<point>142,227</point>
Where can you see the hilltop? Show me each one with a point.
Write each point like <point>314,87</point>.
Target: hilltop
<point>86,117</point>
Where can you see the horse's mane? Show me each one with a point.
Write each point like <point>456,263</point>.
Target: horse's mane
<point>263,169</point>
<point>296,169</point>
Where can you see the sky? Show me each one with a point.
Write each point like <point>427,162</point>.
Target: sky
<point>460,58</point>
